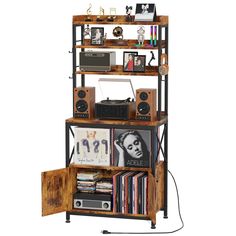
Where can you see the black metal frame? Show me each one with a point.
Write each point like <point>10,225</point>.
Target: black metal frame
<point>164,136</point>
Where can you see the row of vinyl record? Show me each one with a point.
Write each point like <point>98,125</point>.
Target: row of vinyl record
<point>130,192</point>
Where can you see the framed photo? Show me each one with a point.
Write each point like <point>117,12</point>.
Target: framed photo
<point>131,148</point>
<point>145,12</point>
<point>139,63</point>
<point>97,36</point>
<point>128,61</point>
<point>92,146</point>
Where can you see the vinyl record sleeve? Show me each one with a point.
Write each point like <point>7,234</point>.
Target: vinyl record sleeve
<point>92,146</point>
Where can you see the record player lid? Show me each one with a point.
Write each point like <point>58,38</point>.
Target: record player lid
<point>116,89</point>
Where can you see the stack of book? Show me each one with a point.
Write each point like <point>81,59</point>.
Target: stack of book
<point>86,181</point>
<point>130,192</point>
<point>104,186</point>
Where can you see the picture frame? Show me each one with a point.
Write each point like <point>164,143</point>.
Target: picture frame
<point>132,148</point>
<point>128,61</point>
<point>139,63</point>
<point>145,12</point>
<point>97,36</point>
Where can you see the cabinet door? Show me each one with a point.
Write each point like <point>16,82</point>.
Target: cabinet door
<point>55,191</point>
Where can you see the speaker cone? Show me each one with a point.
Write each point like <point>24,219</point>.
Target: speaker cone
<point>81,94</point>
<point>143,108</point>
<point>81,106</point>
<point>143,96</point>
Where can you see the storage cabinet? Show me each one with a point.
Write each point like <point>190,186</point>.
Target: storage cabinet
<point>58,186</point>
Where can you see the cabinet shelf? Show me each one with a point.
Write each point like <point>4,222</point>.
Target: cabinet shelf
<point>76,121</point>
<point>120,19</point>
<point>110,168</point>
<point>118,70</point>
<point>129,44</point>
<point>108,214</point>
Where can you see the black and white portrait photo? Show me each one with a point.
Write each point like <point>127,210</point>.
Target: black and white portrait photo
<point>145,12</point>
<point>139,63</point>
<point>132,148</point>
<point>97,36</point>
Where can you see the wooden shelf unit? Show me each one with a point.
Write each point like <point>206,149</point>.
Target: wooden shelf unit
<point>58,186</point>
<point>76,121</point>
<point>120,19</point>
<point>112,43</point>
<point>118,70</point>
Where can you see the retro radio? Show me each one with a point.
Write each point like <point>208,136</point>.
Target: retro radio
<point>97,60</point>
<point>93,201</point>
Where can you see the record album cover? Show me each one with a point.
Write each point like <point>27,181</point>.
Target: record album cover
<point>92,146</point>
<point>132,148</point>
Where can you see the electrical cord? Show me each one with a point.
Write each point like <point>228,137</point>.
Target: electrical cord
<point>167,232</point>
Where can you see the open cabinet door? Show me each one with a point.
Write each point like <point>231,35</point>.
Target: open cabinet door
<point>55,191</point>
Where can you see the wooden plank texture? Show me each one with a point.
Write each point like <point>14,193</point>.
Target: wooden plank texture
<point>117,122</point>
<point>120,19</point>
<point>54,191</point>
<point>111,43</point>
<point>160,185</point>
<point>118,70</point>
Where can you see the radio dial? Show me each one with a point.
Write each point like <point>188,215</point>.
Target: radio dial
<point>78,203</point>
<point>105,205</point>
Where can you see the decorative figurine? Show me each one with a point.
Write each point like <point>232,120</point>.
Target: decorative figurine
<point>141,32</point>
<point>87,32</point>
<point>118,32</point>
<point>101,13</point>
<point>152,58</point>
<point>128,12</point>
<point>112,16</point>
<point>89,12</point>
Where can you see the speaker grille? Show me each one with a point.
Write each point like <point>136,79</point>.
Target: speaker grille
<point>111,112</point>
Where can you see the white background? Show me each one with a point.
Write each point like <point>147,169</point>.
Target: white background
<point>36,99</point>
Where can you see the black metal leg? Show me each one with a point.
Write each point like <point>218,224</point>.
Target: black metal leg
<point>67,133</point>
<point>67,217</point>
<point>153,226</point>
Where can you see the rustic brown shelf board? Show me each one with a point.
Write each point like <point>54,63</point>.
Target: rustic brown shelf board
<point>118,122</point>
<point>112,168</point>
<point>120,19</point>
<point>111,43</point>
<point>109,213</point>
<point>118,70</point>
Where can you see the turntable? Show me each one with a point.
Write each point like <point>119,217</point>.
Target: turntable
<point>116,109</point>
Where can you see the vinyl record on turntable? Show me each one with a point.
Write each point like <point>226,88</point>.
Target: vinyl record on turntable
<point>116,105</point>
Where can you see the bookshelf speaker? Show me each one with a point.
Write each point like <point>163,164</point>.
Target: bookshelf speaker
<point>84,102</point>
<point>146,100</point>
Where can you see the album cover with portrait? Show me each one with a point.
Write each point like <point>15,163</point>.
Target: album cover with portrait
<point>145,12</point>
<point>92,146</point>
<point>131,148</point>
